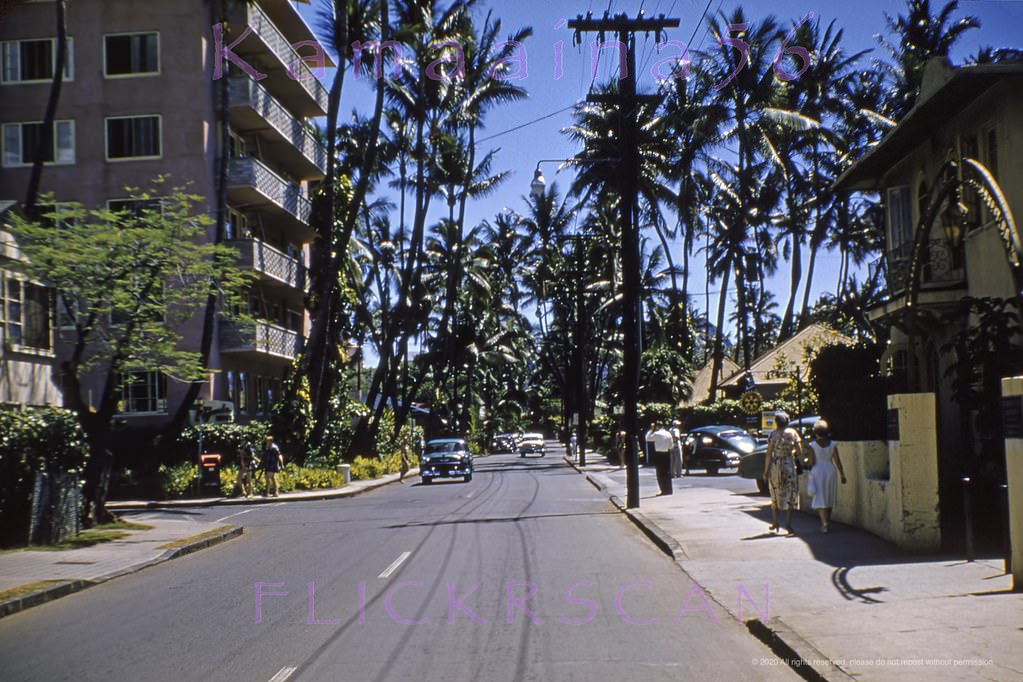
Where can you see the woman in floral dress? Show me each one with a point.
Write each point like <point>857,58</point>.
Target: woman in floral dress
<point>783,446</point>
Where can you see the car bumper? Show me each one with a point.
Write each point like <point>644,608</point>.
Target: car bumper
<point>445,470</point>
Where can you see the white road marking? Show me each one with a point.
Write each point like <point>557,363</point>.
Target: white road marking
<point>284,673</point>
<point>394,566</point>
<point>221,520</point>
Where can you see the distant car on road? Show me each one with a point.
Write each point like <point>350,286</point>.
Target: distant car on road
<point>505,442</point>
<point>715,447</point>
<point>532,444</point>
<point>445,458</point>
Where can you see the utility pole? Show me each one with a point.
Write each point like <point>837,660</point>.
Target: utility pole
<point>628,101</point>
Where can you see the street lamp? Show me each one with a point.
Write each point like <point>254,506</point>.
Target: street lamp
<point>539,184</point>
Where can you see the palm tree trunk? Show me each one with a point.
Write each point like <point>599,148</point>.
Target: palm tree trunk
<point>715,373</point>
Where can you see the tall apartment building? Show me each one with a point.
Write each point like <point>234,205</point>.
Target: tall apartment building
<point>141,99</point>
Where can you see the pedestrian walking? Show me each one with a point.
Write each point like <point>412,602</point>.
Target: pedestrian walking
<point>822,484</point>
<point>621,439</point>
<point>663,443</point>
<point>247,464</point>
<point>676,449</point>
<point>783,447</point>
<point>648,453</point>
<point>573,447</point>
<point>273,464</point>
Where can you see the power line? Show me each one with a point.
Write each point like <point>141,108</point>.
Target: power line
<point>527,123</point>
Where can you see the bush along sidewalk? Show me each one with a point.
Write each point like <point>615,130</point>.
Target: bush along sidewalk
<point>179,481</point>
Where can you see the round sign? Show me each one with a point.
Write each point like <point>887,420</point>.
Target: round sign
<point>750,402</point>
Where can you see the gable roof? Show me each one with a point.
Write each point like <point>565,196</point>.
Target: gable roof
<point>701,382</point>
<point>790,351</point>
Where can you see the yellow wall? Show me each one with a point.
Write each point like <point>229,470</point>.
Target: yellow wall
<point>892,488</point>
<point>1014,475</point>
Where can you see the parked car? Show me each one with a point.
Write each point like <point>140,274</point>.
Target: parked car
<point>445,458</point>
<point>505,442</point>
<point>715,447</point>
<point>532,444</point>
<point>752,465</point>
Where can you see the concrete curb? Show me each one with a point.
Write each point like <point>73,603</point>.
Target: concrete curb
<point>786,643</point>
<point>65,587</point>
<point>796,652</point>
<point>304,496</point>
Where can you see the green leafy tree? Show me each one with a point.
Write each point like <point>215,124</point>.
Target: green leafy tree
<point>127,281</point>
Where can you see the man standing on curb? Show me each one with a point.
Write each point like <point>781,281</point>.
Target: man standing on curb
<point>663,443</point>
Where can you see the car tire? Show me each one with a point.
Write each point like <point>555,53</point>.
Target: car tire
<point>762,487</point>
<point>427,481</point>
<point>467,478</point>
<point>712,471</point>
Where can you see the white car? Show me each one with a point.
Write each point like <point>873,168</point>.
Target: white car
<point>531,444</point>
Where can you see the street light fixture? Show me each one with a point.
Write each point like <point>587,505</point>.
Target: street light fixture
<point>539,185</point>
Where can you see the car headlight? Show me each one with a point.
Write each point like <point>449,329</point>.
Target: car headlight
<point>746,448</point>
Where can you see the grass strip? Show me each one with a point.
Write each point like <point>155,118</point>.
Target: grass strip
<point>27,589</point>
<point>195,538</point>
<point>93,536</point>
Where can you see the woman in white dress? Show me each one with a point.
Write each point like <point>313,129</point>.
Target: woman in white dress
<point>822,483</point>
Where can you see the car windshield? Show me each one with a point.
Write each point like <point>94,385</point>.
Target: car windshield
<point>733,435</point>
<point>441,448</point>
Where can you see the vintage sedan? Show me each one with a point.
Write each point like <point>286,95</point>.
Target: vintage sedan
<point>532,444</point>
<point>445,458</point>
<point>715,447</point>
<point>505,442</point>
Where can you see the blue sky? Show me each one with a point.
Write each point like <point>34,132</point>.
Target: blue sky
<point>552,90</point>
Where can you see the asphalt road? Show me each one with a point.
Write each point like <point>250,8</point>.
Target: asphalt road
<point>525,573</point>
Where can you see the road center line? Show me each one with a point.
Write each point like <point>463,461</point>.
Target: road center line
<point>394,566</point>
<point>221,520</point>
<point>284,673</point>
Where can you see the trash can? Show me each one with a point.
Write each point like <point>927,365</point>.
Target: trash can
<point>209,473</point>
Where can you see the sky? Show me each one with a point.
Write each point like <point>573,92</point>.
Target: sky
<point>527,131</point>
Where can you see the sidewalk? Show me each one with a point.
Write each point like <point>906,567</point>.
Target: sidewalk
<point>839,606</point>
<point>47,575</point>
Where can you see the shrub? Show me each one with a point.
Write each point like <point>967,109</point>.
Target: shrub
<point>226,439</point>
<point>179,481</point>
<point>42,439</point>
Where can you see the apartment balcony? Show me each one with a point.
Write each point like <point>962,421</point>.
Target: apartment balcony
<point>251,184</point>
<point>274,267</point>
<point>286,137</point>
<point>261,340</point>
<point>942,276</point>
<point>267,50</point>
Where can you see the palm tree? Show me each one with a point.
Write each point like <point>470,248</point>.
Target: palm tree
<point>745,80</point>
<point>919,35</point>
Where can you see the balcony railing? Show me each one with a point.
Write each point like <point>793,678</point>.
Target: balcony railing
<point>247,92</point>
<point>941,267</point>
<point>264,338</point>
<point>250,172</point>
<point>276,42</point>
<point>260,257</point>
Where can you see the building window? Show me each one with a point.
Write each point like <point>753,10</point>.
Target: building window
<point>32,61</point>
<point>237,225</point>
<point>25,311</point>
<point>22,139</point>
<point>133,137</point>
<point>991,150</point>
<point>900,216</point>
<point>135,208</point>
<point>143,392</point>
<point>235,146</point>
<point>133,54</point>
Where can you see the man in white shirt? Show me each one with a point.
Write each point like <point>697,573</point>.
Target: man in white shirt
<point>663,443</point>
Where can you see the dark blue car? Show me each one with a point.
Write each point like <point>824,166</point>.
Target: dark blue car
<point>445,458</point>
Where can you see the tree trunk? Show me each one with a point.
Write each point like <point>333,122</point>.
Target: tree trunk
<point>35,178</point>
